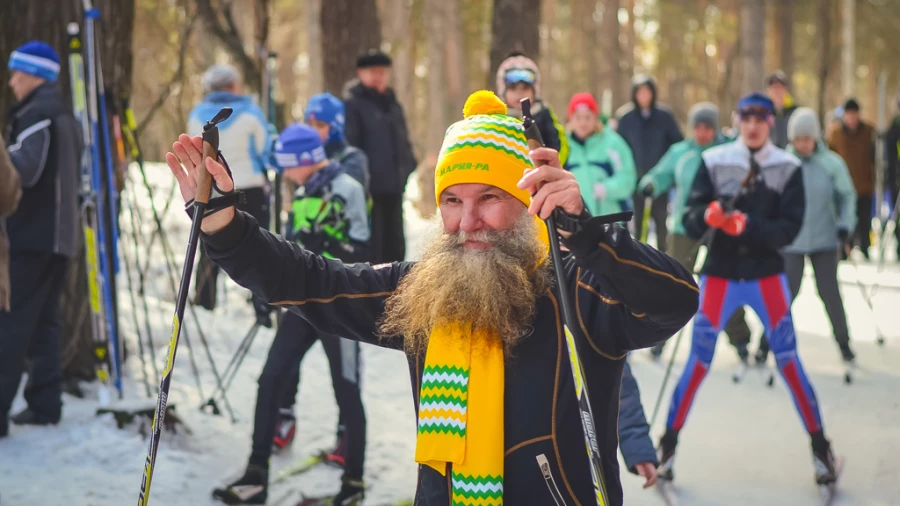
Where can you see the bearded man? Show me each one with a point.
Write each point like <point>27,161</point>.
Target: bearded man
<point>479,316</point>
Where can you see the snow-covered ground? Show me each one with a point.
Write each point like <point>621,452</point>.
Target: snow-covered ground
<point>743,445</point>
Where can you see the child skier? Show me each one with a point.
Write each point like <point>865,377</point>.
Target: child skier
<point>599,158</point>
<point>325,113</point>
<point>518,77</point>
<point>330,218</point>
<point>750,193</point>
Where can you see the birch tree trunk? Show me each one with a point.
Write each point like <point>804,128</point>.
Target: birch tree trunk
<point>753,22</point>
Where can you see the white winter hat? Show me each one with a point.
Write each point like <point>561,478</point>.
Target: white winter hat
<point>220,77</point>
<point>804,123</point>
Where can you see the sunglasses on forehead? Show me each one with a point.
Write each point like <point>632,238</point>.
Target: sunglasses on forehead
<point>754,111</point>
<point>520,76</point>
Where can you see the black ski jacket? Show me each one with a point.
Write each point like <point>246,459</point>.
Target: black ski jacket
<point>626,295</point>
<point>774,205</point>
<point>44,143</point>
<point>376,125</point>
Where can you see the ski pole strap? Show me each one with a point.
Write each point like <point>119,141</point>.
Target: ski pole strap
<point>217,203</point>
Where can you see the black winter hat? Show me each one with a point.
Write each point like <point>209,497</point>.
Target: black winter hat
<point>851,105</point>
<point>373,58</point>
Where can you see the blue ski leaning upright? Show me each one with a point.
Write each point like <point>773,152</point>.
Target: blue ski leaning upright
<point>107,233</point>
<point>89,216</point>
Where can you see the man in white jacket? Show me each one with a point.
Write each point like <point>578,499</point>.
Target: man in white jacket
<point>246,141</point>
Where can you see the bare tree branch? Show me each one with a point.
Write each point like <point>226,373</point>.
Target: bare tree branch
<point>231,39</point>
<point>177,77</point>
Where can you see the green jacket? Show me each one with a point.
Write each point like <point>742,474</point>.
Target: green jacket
<point>830,201</point>
<point>678,167</point>
<point>603,158</point>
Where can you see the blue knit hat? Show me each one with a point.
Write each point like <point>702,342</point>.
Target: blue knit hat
<point>298,145</point>
<point>756,101</point>
<point>327,108</point>
<point>36,58</point>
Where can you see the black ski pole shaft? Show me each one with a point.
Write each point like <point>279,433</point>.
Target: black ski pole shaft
<point>134,315</point>
<point>533,136</point>
<point>668,374</point>
<point>201,199</point>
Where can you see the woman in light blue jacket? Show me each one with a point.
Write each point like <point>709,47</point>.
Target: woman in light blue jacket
<point>829,217</point>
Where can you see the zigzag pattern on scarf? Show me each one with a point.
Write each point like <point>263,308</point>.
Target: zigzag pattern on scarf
<point>477,490</point>
<point>443,400</point>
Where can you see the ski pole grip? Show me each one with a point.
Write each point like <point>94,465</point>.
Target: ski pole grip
<point>204,183</point>
<point>211,150</point>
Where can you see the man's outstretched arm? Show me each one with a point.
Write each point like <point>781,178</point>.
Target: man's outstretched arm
<point>338,299</point>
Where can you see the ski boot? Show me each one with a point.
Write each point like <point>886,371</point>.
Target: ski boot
<point>285,429</point>
<point>30,417</point>
<point>337,456</point>
<point>827,467</point>
<point>351,494</point>
<point>762,353</point>
<point>656,352</point>
<point>666,473</point>
<point>251,488</point>
<point>847,353</point>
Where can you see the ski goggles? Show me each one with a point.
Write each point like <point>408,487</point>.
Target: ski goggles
<point>520,76</point>
<point>755,112</point>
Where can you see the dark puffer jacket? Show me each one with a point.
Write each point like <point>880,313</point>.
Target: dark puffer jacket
<point>626,295</point>
<point>44,143</point>
<point>375,124</point>
<point>648,137</point>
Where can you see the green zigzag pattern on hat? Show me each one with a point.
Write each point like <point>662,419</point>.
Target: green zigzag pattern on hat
<point>502,130</point>
<point>481,144</point>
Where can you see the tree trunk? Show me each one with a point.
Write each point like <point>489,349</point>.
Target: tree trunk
<point>398,33</point>
<point>753,20</point>
<point>785,19</point>
<point>823,34</point>
<point>435,14</point>
<point>848,47</point>
<point>315,79</point>
<point>456,68</point>
<point>349,28</point>
<point>514,27</point>
<point>22,20</point>
<point>609,42</point>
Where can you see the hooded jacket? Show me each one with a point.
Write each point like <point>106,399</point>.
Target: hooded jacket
<point>857,148</point>
<point>830,201</point>
<point>678,168</point>
<point>774,203</point>
<point>651,136</point>
<point>245,138</point>
<point>376,124</point>
<point>10,192</point>
<point>626,295</point>
<point>45,146</point>
<point>603,158</point>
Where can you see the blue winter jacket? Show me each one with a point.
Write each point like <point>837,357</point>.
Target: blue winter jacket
<point>245,138</point>
<point>634,431</point>
<point>830,201</point>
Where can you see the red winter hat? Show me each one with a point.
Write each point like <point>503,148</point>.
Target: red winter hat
<point>582,99</point>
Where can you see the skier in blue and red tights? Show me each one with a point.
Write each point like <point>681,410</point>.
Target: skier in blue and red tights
<point>744,266</point>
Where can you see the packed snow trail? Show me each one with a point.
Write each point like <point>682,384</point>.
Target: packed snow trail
<point>744,445</point>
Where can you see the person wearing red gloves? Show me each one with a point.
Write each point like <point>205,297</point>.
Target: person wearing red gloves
<point>751,193</point>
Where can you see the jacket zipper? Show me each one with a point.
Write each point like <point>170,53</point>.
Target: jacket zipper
<point>549,481</point>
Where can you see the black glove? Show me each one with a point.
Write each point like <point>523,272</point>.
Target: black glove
<point>647,190</point>
<point>843,235</point>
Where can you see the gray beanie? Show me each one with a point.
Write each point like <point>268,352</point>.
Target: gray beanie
<point>705,113</point>
<point>804,123</point>
<point>220,77</point>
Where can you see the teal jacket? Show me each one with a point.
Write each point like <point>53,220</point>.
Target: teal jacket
<point>830,201</point>
<point>678,167</point>
<point>603,158</point>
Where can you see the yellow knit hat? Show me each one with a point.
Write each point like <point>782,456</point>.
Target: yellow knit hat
<point>486,147</point>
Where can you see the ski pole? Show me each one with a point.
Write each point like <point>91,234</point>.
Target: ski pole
<point>233,365</point>
<point>201,199</point>
<point>879,336</point>
<point>533,136</point>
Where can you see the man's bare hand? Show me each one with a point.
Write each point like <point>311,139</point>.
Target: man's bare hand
<point>648,471</point>
<point>550,185</point>
<point>186,164</point>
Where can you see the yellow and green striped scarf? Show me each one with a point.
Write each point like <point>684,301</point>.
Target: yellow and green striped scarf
<point>461,414</point>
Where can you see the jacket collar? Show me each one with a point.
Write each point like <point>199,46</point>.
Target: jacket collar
<point>40,90</point>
